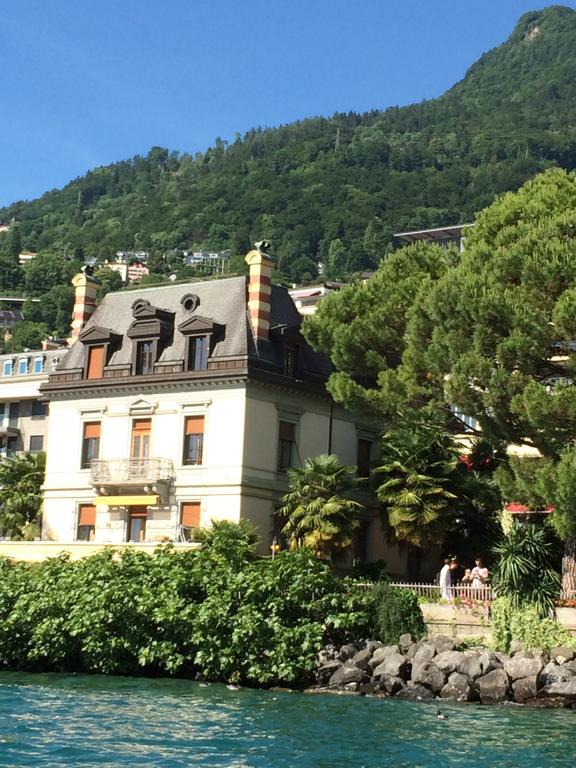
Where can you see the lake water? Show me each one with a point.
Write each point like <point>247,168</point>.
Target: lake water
<point>68,720</point>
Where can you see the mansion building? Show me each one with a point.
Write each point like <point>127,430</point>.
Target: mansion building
<point>185,404</point>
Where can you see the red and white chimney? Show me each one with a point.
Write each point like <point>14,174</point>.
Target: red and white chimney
<point>85,287</point>
<point>260,289</point>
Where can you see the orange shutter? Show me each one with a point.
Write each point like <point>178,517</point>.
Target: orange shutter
<point>87,514</point>
<point>195,425</point>
<point>141,425</point>
<point>91,429</point>
<point>95,362</point>
<point>191,514</point>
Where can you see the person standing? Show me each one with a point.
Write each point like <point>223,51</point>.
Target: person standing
<point>446,581</point>
<point>479,574</point>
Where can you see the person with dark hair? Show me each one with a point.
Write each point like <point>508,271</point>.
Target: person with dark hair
<point>446,581</point>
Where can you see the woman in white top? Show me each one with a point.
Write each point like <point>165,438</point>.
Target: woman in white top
<point>479,574</point>
<point>446,581</point>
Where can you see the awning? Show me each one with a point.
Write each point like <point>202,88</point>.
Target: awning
<point>125,501</point>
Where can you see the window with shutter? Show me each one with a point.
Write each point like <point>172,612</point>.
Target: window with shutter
<point>193,440</point>
<point>95,368</point>
<point>86,522</point>
<point>90,442</point>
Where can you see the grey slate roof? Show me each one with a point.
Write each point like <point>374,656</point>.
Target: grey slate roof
<point>223,301</point>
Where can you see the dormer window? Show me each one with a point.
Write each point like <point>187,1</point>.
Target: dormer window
<point>198,351</point>
<point>290,360</point>
<point>38,364</point>
<point>7,368</point>
<point>151,331</point>
<point>100,344</point>
<point>22,366</point>
<point>95,367</point>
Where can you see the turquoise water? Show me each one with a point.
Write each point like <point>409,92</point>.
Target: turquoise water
<point>67,720</point>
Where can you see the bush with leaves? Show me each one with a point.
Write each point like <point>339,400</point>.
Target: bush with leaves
<point>237,618</point>
<point>396,612</point>
<point>525,571</point>
<point>525,624</point>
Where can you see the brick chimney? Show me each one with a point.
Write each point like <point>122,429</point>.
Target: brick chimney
<point>86,288</point>
<point>260,289</point>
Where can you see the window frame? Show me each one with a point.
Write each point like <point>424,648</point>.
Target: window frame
<point>186,462</point>
<point>191,349</point>
<point>152,353</point>
<point>8,368</point>
<point>79,524</point>
<point>26,362</point>
<point>85,458</point>
<point>35,450</point>
<point>283,444</point>
<point>38,359</point>
<point>90,349</point>
<point>44,409</point>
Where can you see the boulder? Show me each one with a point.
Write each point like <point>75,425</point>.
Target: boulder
<point>566,690</point>
<point>394,665</point>
<point>368,689</point>
<point>525,689</point>
<point>448,661</point>
<point>493,687</point>
<point>413,692</point>
<point>373,645</point>
<point>348,673</point>
<point>362,659</point>
<point>460,688</point>
<point>562,654</point>
<point>442,643</point>
<point>405,641</point>
<point>489,662</point>
<point>470,665</point>
<point>428,674</point>
<point>515,646</point>
<point>382,653</point>
<point>424,653</point>
<point>347,652</point>
<point>518,667</point>
<point>325,672</point>
<point>391,684</point>
<point>552,673</point>
<point>570,665</point>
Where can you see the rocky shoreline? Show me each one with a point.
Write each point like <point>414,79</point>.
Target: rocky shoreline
<point>435,669</point>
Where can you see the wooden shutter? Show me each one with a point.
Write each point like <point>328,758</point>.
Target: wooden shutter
<point>87,514</point>
<point>91,429</point>
<point>195,425</point>
<point>141,425</point>
<point>95,362</point>
<point>191,514</point>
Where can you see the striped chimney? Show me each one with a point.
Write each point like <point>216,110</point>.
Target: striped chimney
<point>85,287</point>
<point>260,289</point>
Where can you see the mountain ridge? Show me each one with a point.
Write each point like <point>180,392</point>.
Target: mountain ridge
<point>335,189</point>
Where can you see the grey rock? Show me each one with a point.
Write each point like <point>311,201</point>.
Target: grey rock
<point>367,689</point>
<point>552,673</point>
<point>425,653</point>
<point>325,672</point>
<point>566,690</point>
<point>412,650</point>
<point>373,645</point>
<point>348,673</point>
<point>442,643</point>
<point>428,674</point>
<point>493,687</point>
<point>448,661</point>
<point>391,684</point>
<point>362,659</point>
<point>470,665</point>
<point>413,692</point>
<point>394,665</point>
<point>571,665</point>
<point>515,646</point>
<point>347,652</point>
<point>489,662</point>
<point>405,641</point>
<point>562,654</point>
<point>459,688</point>
<point>525,689</point>
<point>517,667</point>
<point>382,653</point>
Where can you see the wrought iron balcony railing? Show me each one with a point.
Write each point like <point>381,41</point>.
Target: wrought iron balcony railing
<point>131,471</point>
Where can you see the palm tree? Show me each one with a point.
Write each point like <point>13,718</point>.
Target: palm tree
<point>21,479</point>
<point>318,508</point>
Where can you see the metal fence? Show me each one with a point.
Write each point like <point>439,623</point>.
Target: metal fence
<point>134,471</point>
<point>461,591</point>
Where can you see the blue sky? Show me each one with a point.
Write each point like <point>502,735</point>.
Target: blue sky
<point>89,82</point>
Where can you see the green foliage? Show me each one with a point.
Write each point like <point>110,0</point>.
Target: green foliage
<point>353,177</point>
<point>319,513</point>
<point>21,479</point>
<point>26,335</point>
<point>396,611</point>
<point>525,570</point>
<point>240,619</point>
<point>54,310</point>
<point>525,624</point>
<point>47,271</point>
<point>110,281</point>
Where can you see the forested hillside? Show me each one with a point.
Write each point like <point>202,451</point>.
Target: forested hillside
<point>335,189</point>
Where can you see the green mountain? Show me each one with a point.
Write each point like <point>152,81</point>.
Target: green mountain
<point>335,189</point>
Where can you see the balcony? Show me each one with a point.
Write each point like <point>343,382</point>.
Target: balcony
<point>131,472</point>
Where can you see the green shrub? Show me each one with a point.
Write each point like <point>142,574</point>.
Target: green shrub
<point>525,624</point>
<point>396,611</point>
<point>223,613</point>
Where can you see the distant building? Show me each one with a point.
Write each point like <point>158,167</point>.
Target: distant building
<point>8,317</point>
<point>216,262</point>
<point>27,256</point>
<point>125,256</point>
<point>23,413</point>
<point>307,298</point>
<point>4,228</point>
<point>131,271</point>
<point>454,235</point>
